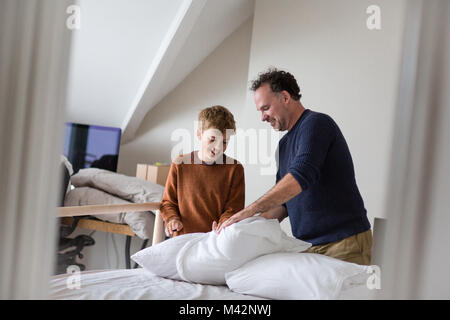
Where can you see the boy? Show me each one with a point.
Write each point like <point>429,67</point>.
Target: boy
<point>204,187</point>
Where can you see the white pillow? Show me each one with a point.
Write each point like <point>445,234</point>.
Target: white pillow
<point>207,259</point>
<point>293,276</point>
<point>160,259</point>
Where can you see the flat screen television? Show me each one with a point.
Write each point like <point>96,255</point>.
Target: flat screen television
<point>89,146</point>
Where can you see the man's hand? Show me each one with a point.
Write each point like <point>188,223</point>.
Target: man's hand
<point>241,215</point>
<point>279,213</point>
<point>173,225</point>
<point>283,191</point>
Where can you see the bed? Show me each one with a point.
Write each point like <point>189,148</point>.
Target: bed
<point>138,284</point>
<point>141,284</point>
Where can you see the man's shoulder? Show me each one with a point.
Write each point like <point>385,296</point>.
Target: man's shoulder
<point>318,116</point>
<point>320,119</point>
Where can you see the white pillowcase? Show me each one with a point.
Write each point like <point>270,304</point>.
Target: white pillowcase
<point>206,259</point>
<point>160,259</point>
<point>293,276</point>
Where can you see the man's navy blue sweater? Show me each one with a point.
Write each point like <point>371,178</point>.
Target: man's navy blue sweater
<point>330,207</point>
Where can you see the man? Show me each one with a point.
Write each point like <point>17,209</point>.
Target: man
<point>316,184</point>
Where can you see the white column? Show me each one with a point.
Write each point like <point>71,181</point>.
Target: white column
<point>34,56</point>
<point>421,110</point>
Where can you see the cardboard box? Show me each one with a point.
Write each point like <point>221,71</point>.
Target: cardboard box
<point>157,174</point>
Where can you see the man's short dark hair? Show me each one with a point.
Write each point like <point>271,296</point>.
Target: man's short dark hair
<point>278,80</point>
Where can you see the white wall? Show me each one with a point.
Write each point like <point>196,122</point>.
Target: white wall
<point>111,54</point>
<point>343,69</point>
<point>220,79</point>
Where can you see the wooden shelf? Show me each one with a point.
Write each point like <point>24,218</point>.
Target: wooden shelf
<point>99,225</point>
<point>106,209</point>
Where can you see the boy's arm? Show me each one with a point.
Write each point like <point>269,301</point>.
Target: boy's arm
<point>236,200</point>
<point>169,203</point>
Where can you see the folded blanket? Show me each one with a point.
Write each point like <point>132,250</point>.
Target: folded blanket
<point>97,186</point>
<point>140,222</point>
<point>125,187</point>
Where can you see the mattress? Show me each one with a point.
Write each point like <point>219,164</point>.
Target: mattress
<point>139,284</point>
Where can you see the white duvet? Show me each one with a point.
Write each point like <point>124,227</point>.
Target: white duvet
<point>206,257</point>
<point>206,260</point>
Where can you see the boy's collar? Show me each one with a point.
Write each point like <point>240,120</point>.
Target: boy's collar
<point>196,160</point>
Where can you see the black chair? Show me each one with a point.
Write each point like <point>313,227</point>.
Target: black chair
<point>65,257</point>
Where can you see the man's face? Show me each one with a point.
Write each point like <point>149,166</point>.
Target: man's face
<point>271,107</point>
<point>214,144</point>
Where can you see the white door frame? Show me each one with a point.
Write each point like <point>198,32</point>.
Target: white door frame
<point>413,148</point>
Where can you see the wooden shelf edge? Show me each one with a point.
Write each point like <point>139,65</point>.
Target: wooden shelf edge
<point>106,209</point>
<point>98,225</point>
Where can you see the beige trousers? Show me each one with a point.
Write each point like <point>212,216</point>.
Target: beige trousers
<point>356,248</point>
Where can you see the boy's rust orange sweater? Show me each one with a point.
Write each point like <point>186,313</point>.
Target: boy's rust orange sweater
<point>198,193</point>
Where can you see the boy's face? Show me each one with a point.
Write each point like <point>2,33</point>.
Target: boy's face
<point>213,144</point>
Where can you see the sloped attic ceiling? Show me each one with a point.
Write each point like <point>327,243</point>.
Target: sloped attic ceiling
<point>128,55</point>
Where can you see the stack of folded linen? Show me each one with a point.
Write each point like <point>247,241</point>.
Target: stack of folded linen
<point>96,186</point>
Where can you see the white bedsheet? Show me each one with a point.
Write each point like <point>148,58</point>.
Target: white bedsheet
<point>138,284</point>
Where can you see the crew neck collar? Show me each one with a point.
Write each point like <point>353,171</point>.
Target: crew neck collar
<point>299,120</point>
<point>196,159</point>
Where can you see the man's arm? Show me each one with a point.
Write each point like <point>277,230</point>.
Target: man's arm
<point>279,213</point>
<point>283,191</point>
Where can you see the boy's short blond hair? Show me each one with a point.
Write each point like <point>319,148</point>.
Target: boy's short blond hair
<point>217,117</point>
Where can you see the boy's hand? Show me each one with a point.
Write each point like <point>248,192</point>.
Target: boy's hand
<point>214,226</point>
<point>173,225</point>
